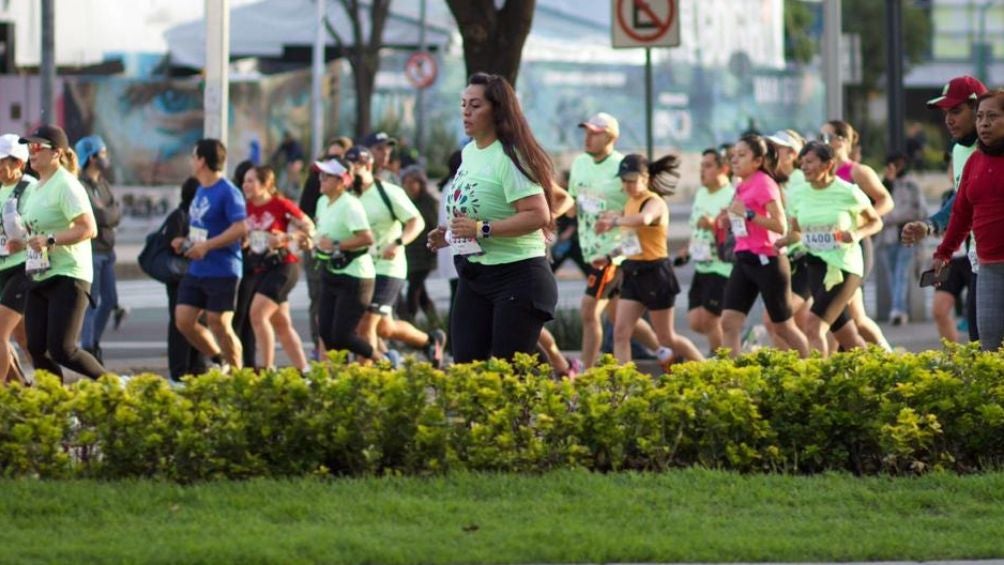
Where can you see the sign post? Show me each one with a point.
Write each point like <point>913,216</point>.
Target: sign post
<point>648,24</point>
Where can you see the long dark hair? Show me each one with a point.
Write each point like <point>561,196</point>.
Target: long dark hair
<point>760,148</point>
<point>514,133</point>
<point>846,131</point>
<point>663,173</point>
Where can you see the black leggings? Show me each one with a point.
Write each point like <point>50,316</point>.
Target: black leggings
<point>182,357</point>
<point>500,309</point>
<point>53,316</point>
<point>341,305</point>
<point>417,297</point>
<point>830,305</point>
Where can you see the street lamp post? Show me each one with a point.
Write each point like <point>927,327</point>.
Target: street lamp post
<point>981,45</point>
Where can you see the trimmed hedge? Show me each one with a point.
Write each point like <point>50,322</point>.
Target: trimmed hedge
<point>864,412</point>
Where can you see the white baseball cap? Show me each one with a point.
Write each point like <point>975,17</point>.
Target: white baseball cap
<point>602,122</point>
<point>11,147</point>
<point>335,168</point>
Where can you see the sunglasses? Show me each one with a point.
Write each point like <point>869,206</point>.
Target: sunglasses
<point>36,146</point>
<point>828,138</point>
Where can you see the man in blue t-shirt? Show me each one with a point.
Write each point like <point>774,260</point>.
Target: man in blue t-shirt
<point>216,227</point>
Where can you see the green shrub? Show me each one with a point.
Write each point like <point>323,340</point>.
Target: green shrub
<point>865,412</point>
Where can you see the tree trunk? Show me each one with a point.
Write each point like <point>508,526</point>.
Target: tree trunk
<point>364,57</point>
<point>493,39</point>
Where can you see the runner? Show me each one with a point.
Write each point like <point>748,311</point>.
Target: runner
<point>757,219</point>
<point>395,222</point>
<point>381,148</point>
<point>275,227</point>
<point>94,164</point>
<point>594,184</point>
<point>843,138</point>
<point>58,258</point>
<point>829,217</point>
<point>979,207</point>
<point>958,104</point>
<point>421,261</point>
<point>649,282</point>
<point>498,205</point>
<point>216,220</point>
<point>343,238</point>
<point>711,274</point>
<point>789,144</point>
<point>15,187</point>
<point>898,258</point>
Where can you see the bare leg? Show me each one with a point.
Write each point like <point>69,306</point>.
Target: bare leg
<point>628,314</point>
<point>398,330</point>
<point>867,327</point>
<point>186,319</point>
<point>291,343</point>
<point>662,321</point>
<point>9,319</point>
<point>943,311</point>
<point>262,310</point>
<point>221,324</point>
<point>591,311</point>
<point>732,327</point>
<point>554,356</point>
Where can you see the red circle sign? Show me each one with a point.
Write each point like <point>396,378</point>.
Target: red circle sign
<point>643,8</point>
<point>421,70</point>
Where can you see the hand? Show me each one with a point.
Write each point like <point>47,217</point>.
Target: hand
<point>465,227</point>
<point>913,233</point>
<point>738,208</point>
<point>390,251</point>
<point>15,245</point>
<point>38,242</point>
<point>326,244</point>
<point>176,244</point>
<point>705,223</point>
<point>938,265</point>
<point>436,238</point>
<point>604,223</point>
<point>722,220</point>
<point>198,251</point>
<point>781,243</point>
<point>845,236</point>
<point>600,263</point>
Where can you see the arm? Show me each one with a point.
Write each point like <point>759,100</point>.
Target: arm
<point>562,202</point>
<point>83,228</point>
<point>871,225</point>
<point>868,181</point>
<point>531,215</point>
<point>651,212</point>
<point>359,239</point>
<point>237,231</point>
<point>794,234</point>
<point>958,226</point>
<point>775,220</point>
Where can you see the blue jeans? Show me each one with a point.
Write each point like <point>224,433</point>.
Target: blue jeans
<point>105,297</point>
<point>898,259</point>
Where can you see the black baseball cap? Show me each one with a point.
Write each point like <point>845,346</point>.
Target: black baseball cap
<point>377,138</point>
<point>358,154</point>
<point>632,164</point>
<point>53,135</point>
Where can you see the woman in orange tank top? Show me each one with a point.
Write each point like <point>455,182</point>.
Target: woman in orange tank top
<point>649,281</point>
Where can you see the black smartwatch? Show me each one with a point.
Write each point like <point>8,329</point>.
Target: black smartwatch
<point>399,241</point>
<point>750,214</point>
<point>486,229</point>
<point>50,240</point>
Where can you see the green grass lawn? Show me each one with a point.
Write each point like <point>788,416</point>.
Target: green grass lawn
<point>482,518</point>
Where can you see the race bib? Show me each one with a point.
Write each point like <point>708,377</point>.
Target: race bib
<point>630,244</point>
<point>591,204</point>
<point>821,238</point>
<point>973,259</point>
<point>463,245</point>
<point>36,261</point>
<point>738,224</point>
<point>700,250</point>
<point>258,242</point>
<point>4,252</point>
<point>197,235</point>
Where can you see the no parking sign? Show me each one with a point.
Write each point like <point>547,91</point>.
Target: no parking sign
<point>421,70</point>
<point>645,23</point>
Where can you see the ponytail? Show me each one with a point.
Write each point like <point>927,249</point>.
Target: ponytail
<point>663,175</point>
<point>68,160</point>
<point>768,153</point>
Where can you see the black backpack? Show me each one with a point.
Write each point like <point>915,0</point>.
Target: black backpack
<point>158,260</point>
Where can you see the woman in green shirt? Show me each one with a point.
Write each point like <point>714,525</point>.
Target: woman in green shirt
<point>498,207</point>
<point>344,236</point>
<point>14,283</point>
<point>58,259</point>
<point>829,218</point>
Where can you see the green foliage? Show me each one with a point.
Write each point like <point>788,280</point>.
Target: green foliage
<point>799,45</point>
<point>867,412</point>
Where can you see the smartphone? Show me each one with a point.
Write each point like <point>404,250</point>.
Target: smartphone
<point>928,278</point>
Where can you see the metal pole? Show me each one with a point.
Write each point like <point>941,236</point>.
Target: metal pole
<point>894,73</point>
<point>48,67</point>
<point>648,102</point>
<point>983,51</point>
<point>420,96</point>
<point>317,77</point>
<point>216,97</point>
<point>831,60</point>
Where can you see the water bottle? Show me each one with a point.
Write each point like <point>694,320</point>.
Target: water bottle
<point>12,224</point>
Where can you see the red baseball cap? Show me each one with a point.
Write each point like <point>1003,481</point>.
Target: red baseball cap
<point>958,90</point>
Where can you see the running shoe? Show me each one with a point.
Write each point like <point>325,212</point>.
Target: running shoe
<point>575,368</point>
<point>118,316</point>
<point>436,348</point>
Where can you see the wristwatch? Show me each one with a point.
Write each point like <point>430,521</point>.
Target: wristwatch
<point>399,241</point>
<point>486,229</point>
<point>750,214</point>
<point>50,240</point>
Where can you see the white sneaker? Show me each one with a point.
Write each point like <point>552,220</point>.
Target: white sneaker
<point>223,368</point>
<point>124,380</point>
